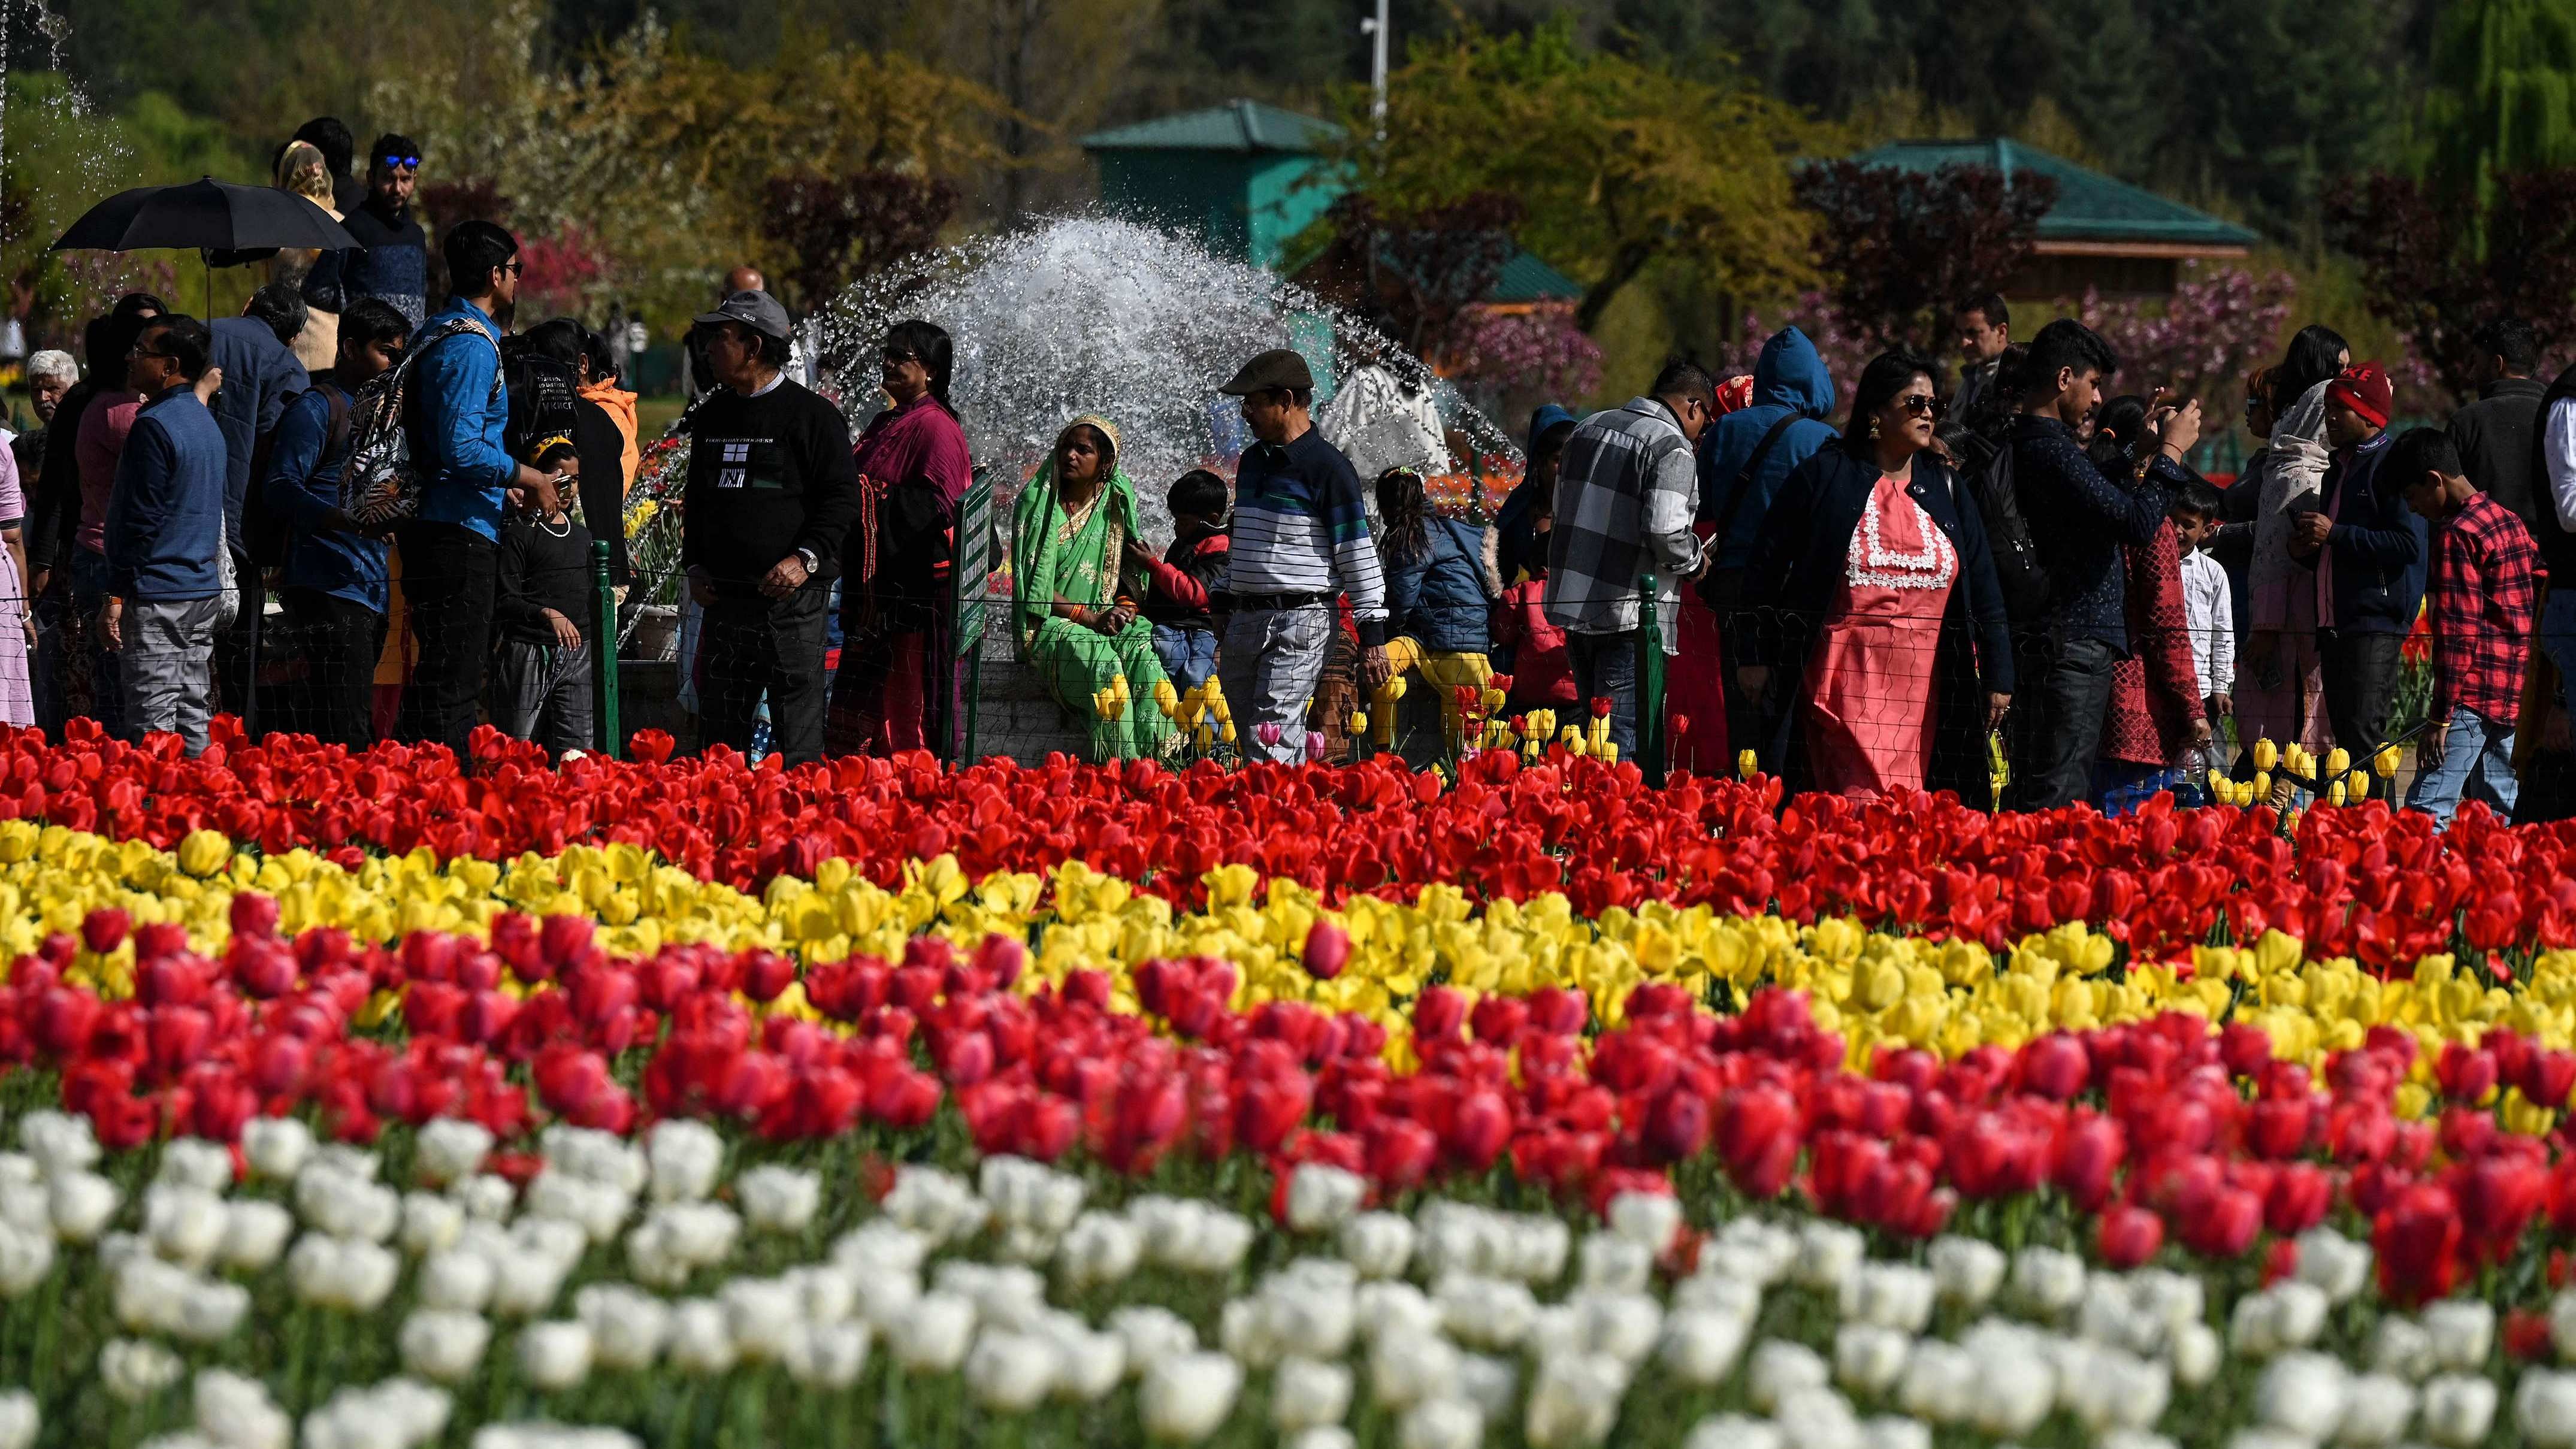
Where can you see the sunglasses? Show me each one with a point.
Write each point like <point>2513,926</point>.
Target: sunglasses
<point>411,161</point>
<point>1921,405</point>
<point>514,268</point>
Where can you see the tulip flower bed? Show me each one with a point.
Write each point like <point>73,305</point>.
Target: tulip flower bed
<point>345,1100</point>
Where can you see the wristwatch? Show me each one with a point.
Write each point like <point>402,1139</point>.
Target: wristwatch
<point>806,555</point>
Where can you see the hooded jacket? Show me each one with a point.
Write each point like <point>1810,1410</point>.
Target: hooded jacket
<point>1789,380</point>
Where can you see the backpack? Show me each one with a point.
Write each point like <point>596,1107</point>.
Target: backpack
<point>544,394</point>
<point>1986,474</point>
<point>379,486</point>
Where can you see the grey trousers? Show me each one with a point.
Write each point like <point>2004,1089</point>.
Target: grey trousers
<point>541,692</point>
<point>1269,667</point>
<point>168,667</point>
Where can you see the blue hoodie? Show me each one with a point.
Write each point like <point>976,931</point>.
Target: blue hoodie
<point>1789,378</point>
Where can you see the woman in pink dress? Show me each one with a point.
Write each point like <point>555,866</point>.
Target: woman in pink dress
<point>17,630</point>
<point>1881,651</point>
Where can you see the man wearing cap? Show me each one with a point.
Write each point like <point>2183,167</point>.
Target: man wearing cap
<point>773,489</point>
<point>1301,538</point>
<point>695,378</point>
<point>2369,551</point>
<point>451,551</point>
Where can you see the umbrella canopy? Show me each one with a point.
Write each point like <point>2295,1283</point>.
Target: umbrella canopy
<point>206,213</point>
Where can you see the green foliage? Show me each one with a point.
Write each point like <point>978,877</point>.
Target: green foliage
<point>2503,96</point>
<point>1616,161</point>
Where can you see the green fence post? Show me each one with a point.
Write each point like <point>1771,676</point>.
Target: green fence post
<point>1650,683</point>
<point>603,656</point>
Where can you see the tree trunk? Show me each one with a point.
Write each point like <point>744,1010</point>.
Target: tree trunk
<point>1625,264</point>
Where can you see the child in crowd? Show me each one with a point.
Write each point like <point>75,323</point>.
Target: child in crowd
<point>1526,645</point>
<point>2206,601</point>
<point>1436,599</point>
<point>541,662</point>
<point>1177,603</point>
<point>2480,598</point>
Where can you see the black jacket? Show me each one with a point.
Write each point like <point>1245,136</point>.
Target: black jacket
<point>602,450</point>
<point>2499,441</point>
<point>1804,550</point>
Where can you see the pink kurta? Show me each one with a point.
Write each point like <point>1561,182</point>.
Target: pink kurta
<point>1869,711</point>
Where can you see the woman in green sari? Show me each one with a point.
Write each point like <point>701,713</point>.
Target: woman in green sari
<point>1076,618</point>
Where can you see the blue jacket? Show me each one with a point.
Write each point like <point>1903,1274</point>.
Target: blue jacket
<point>165,518</point>
<point>303,488</point>
<point>1789,380</point>
<point>390,261</point>
<point>260,374</point>
<point>2381,547</point>
<point>2078,520</point>
<point>461,411</point>
<point>1438,596</point>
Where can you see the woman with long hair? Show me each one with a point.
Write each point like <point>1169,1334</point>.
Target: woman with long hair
<point>1881,646</point>
<point>897,686</point>
<point>2280,687</point>
<point>1074,608</point>
<point>2155,720</point>
<point>1438,603</point>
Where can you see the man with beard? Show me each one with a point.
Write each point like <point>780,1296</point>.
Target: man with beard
<point>451,551</point>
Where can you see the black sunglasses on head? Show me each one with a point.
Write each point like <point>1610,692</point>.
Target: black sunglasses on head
<point>411,161</point>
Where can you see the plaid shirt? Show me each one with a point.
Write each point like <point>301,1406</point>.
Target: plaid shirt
<point>2480,605</point>
<point>1625,496</point>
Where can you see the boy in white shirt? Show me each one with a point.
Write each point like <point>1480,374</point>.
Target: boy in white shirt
<point>2205,599</point>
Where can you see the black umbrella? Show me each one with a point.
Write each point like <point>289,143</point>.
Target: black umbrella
<point>205,214</point>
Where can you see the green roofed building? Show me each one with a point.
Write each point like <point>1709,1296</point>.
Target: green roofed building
<point>2102,233</point>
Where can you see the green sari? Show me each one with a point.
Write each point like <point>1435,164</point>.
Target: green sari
<point>1076,558</point>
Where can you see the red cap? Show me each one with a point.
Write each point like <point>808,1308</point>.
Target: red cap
<point>2363,387</point>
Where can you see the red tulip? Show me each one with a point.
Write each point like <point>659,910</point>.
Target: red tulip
<point>2298,1199</point>
<point>2417,1240</point>
<point>2222,1224</point>
<point>2128,1236</point>
<point>2466,1074</point>
<point>766,975</point>
<point>1327,947</point>
<point>103,930</point>
<point>2056,1066</point>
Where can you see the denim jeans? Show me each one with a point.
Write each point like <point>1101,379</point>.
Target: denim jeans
<point>2558,640</point>
<point>2477,764</point>
<point>542,692</point>
<point>1605,665</point>
<point>1188,655</point>
<point>2064,696</point>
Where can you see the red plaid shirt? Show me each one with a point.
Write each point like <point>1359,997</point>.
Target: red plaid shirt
<point>2485,584</point>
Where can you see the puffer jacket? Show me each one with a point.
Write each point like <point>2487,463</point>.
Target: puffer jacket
<point>1438,596</point>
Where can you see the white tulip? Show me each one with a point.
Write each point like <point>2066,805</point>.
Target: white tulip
<point>1010,1372</point>
<point>134,1369</point>
<point>1380,1245</point>
<point>1966,1271</point>
<point>255,1232</point>
<point>212,1312</point>
<point>2133,1439</point>
<point>2298,1313</point>
<point>2194,1353</point>
<point>1765,1249</point>
<point>459,1278</point>
<point>1184,1399</point>
<point>430,1222</point>
<point>450,1149</point>
<point>276,1147</point>
<point>1460,1237</point>
<point>1889,1432</point>
<point>1827,1254</point>
<point>828,1356</point>
<point>354,1277</point>
<point>2048,1281</point>
<point>27,1207</point>
<point>1491,1383</point>
<point>1701,1345</point>
<point>2544,1408</point>
<point>1008,1295</point>
<point>554,1355</point>
<point>19,1419</point>
<point>1650,1219</point>
<point>1098,1250</point>
<point>627,1327</point>
<point>1441,1424</point>
<point>1485,1312</point>
<point>933,1334</point>
<point>485,1197</point>
<point>1619,1263</point>
<point>148,1292</point>
<point>344,1204</point>
<point>2463,1331</point>
<point>1734,1431</point>
<point>1030,1195</point>
<point>527,1276</point>
<point>824,1293</point>
<point>1818,1419</point>
<point>936,1204</point>
<point>2014,1393</point>
<point>1535,1247</point>
<point>1389,1308</point>
<point>1940,1383</point>
<point>1869,1359</point>
<point>1319,1436</point>
<point>58,1142</point>
<point>17,1169</point>
<point>1781,1368</point>
<point>596,1156</point>
<point>597,1208</point>
<point>1315,1322</point>
<point>80,1203</point>
<point>2562,1324</point>
<point>1152,1333</point>
<point>25,1259</point>
<point>1736,1298</point>
<point>2338,1266</point>
<point>2378,1413</point>
<point>1088,1365</point>
<point>347,1160</point>
<point>684,1157</point>
<point>1620,1326</point>
<point>236,1413</point>
<point>2402,1347</point>
<point>1243,1333</point>
<point>779,1199</point>
<point>2169,1297</point>
<point>2110,1315</point>
<point>1321,1198</point>
<point>443,1344</point>
<point>196,1162</point>
<point>2302,1394</point>
<point>1891,1295</point>
<point>700,1343</point>
<point>1406,1370</point>
<point>762,1315</point>
<point>2458,1408</point>
<point>1574,1401</point>
<point>185,1224</point>
<point>1305,1393</point>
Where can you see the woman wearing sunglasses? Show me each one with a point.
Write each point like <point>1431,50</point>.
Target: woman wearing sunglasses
<point>1879,653</point>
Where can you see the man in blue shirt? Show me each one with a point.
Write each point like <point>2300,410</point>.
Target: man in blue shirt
<point>254,353</point>
<point>2079,521</point>
<point>165,528</point>
<point>334,576</point>
<point>392,256</point>
<point>451,551</point>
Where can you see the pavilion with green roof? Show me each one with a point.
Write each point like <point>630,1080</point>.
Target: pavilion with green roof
<point>2101,232</point>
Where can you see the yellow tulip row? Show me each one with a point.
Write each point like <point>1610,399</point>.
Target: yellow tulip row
<point>1876,988</point>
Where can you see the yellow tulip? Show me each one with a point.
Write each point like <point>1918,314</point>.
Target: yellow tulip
<point>1608,750</point>
<point>2338,760</point>
<point>2385,762</point>
<point>1746,764</point>
<point>2357,785</point>
<point>2266,754</point>
<point>1359,721</point>
<point>2334,792</point>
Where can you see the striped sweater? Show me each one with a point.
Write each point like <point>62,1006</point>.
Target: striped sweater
<point>1301,527</point>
